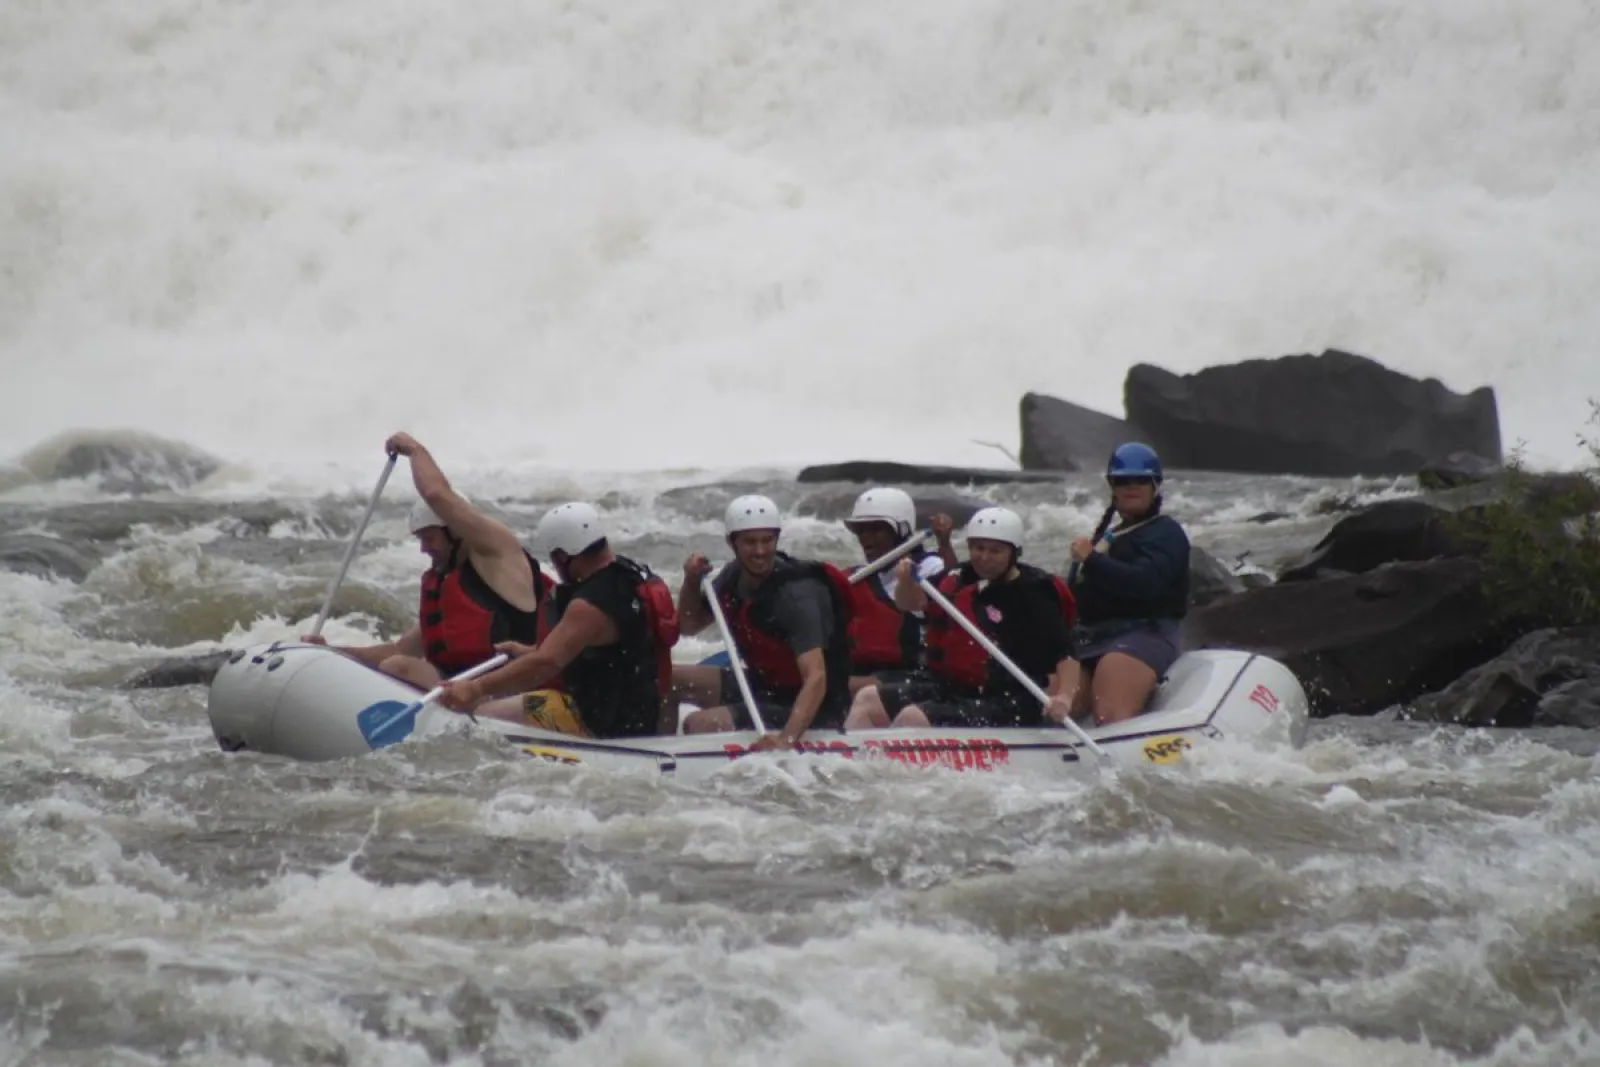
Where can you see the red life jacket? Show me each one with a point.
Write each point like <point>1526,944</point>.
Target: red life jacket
<point>952,653</point>
<point>882,637</point>
<point>764,650</point>
<point>461,618</point>
<point>661,618</point>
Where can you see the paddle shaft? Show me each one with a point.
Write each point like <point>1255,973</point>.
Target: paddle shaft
<point>426,703</point>
<point>733,655</point>
<point>890,558</point>
<point>1005,661</point>
<point>355,542</point>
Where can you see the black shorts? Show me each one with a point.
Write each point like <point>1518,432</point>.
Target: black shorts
<point>957,707</point>
<point>775,705</point>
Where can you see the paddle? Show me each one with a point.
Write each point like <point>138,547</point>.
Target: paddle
<point>733,659</point>
<point>382,726</point>
<point>355,541</point>
<point>1005,661</point>
<point>890,558</point>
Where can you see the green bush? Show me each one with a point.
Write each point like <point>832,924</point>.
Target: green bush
<point>1540,540</point>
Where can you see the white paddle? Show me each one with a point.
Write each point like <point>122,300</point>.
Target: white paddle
<point>733,655</point>
<point>1005,661</point>
<point>890,558</point>
<point>355,541</point>
<point>422,707</point>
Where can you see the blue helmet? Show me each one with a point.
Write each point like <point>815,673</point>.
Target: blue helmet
<point>1134,460</point>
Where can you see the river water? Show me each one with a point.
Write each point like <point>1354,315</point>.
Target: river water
<point>1391,894</point>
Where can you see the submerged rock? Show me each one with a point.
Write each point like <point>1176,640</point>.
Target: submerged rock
<point>46,557</point>
<point>884,472</point>
<point>180,670</point>
<point>121,461</point>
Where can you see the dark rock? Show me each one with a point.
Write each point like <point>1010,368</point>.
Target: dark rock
<point>1061,436</point>
<point>1390,531</point>
<point>45,556</point>
<point>835,505</point>
<point>181,670</point>
<point>1336,505</point>
<point>1336,414</point>
<point>960,509</point>
<point>1548,678</point>
<point>135,463</point>
<point>1458,468</point>
<point>1363,643</point>
<point>884,472</point>
<point>1269,516</point>
<point>1209,578</point>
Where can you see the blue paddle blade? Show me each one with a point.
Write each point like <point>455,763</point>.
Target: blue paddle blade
<point>717,659</point>
<point>387,721</point>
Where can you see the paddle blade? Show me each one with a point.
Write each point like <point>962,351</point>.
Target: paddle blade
<point>716,659</point>
<point>388,721</point>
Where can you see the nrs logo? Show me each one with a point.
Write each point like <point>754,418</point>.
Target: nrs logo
<point>1265,698</point>
<point>555,755</point>
<point>1166,749</point>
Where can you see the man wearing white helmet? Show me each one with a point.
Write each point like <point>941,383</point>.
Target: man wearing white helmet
<point>481,587</point>
<point>604,667</point>
<point>789,619</point>
<point>1025,611</point>
<point>886,635</point>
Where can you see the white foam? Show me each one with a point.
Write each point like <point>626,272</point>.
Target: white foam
<point>576,236</point>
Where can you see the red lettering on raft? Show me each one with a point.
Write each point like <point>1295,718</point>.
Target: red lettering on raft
<point>980,754</point>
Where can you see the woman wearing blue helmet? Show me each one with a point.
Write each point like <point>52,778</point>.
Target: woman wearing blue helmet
<point>1131,581</point>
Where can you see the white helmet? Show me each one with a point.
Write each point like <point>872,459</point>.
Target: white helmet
<point>568,528</point>
<point>422,517</point>
<point>751,513</point>
<point>893,506</point>
<point>996,524</point>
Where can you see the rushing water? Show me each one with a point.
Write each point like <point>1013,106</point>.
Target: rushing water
<point>678,244</point>
<point>1390,894</point>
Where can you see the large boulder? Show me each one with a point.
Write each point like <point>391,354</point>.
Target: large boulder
<point>1389,531</point>
<point>885,472</point>
<point>1548,678</point>
<point>1059,436</point>
<point>1335,414</point>
<point>1366,642</point>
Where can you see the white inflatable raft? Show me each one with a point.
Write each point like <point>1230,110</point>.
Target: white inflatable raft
<point>309,703</point>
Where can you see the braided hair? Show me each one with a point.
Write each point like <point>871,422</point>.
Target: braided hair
<point>1105,524</point>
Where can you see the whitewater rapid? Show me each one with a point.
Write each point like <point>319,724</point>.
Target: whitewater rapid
<point>651,253</point>
<point>597,236</point>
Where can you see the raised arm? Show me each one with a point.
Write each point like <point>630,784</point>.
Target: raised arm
<point>483,536</point>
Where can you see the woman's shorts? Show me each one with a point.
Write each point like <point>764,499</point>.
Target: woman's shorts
<point>1156,644</point>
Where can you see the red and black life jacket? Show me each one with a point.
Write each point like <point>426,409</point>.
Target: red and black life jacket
<point>882,637</point>
<point>661,618</point>
<point>763,646</point>
<point>619,687</point>
<point>462,618</point>
<point>952,653</point>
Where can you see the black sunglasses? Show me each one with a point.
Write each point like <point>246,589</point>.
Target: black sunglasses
<point>1130,479</point>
